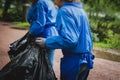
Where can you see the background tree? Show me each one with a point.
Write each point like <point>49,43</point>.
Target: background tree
<point>6,7</point>
<point>15,10</point>
<point>104,18</point>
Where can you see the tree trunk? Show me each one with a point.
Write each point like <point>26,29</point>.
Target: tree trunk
<point>25,9</point>
<point>6,7</point>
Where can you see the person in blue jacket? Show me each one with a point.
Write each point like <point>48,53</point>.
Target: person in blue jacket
<point>74,39</point>
<point>42,18</point>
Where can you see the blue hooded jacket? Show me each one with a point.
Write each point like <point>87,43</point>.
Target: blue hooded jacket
<point>74,39</point>
<point>42,17</point>
<point>73,28</point>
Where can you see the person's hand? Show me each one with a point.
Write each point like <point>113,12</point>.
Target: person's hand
<point>41,42</point>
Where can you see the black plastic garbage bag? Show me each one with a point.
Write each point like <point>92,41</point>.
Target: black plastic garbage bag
<point>28,62</point>
<point>20,45</point>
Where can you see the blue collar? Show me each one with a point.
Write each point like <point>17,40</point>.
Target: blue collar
<point>76,4</point>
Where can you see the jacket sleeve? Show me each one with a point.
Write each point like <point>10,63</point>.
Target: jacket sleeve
<point>68,35</point>
<point>37,25</point>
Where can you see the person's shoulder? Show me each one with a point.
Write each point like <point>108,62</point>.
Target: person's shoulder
<point>64,7</point>
<point>64,10</point>
<point>39,2</point>
<point>46,1</point>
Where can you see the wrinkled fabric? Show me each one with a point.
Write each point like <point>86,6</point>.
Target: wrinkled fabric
<point>42,17</point>
<point>27,62</point>
<point>74,30</point>
<point>75,39</point>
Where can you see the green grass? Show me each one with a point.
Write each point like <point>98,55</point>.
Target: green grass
<point>102,45</point>
<point>106,46</point>
<point>22,24</point>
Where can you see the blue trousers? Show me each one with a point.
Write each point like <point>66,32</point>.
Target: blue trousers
<point>76,66</point>
<point>51,53</point>
<point>82,74</point>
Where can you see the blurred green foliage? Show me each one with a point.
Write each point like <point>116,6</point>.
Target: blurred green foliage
<point>13,10</point>
<point>104,18</point>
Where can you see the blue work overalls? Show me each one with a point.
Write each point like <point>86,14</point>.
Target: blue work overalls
<point>74,39</point>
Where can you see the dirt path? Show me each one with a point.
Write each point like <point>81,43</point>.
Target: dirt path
<point>103,70</point>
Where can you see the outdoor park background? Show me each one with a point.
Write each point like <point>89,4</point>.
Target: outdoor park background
<point>104,16</point>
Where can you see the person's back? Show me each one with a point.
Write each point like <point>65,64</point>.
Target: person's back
<point>42,18</point>
<point>50,12</point>
<point>75,30</point>
<point>77,26</point>
<point>75,40</point>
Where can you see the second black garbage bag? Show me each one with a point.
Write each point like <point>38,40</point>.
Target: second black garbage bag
<point>28,62</point>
